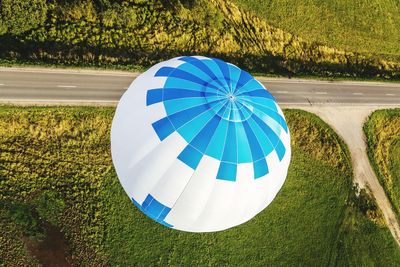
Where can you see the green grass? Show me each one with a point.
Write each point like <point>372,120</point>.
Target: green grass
<point>363,26</point>
<point>83,65</point>
<point>383,134</point>
<point>135,34</point>
<point>315,220</point>
<point>308,224</point>
<point>138,68</point>
<point>395,161</point>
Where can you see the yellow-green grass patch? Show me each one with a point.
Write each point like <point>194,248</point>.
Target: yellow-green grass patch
<point>363,26</point>
<point>383,135</point>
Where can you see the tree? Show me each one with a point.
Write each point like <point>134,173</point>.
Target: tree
<point>19,16</point>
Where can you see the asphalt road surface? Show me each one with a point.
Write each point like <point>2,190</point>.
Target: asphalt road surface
<point>65,86</point>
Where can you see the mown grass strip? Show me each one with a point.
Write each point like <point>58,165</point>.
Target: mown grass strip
<point>383,136</point>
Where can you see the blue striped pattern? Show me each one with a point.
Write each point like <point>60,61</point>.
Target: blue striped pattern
<point>221,111</point>
<point>154,209</point>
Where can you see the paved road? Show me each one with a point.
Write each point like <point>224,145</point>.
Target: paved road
<point>19,85</point>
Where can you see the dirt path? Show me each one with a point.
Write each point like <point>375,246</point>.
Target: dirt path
<point>348,123</point>
<point>53,250</point>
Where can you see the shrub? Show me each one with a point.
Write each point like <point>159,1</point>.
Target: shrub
<point>23,216</point>
<point>49,207</point>
<point>19,16</point>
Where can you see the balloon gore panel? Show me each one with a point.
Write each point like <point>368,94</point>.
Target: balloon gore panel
<point>225,142</point>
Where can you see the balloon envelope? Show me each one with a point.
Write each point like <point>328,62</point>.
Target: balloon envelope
<point>199,145</point>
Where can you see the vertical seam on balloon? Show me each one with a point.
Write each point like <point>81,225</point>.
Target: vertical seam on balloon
<point>218,61</point>
<point>251,154</point>
<point>183,110</point>
<point>262,149</point>
<point>152,198</point>
<point>281,121</point>
<point>262,86</point>
<point>187,144</point>
<point>248,93</point>
<point>226,137</point>
<point>176,129</point>
<point>161,213</point>
<point>247,99</point>
<point>269,140</point>
<point>258,140</point>
<point>230,79</point>
<point>214,180</point>
<point>276,124</point>
<point>216,66</point>
<point>198,80</point>
<point>190,98</point>
<point>262,131</point>
<point>261,124</point>
<point>240,75</point>
<point>204,65</point>
<point>177,199</point>
<point>237,150</point>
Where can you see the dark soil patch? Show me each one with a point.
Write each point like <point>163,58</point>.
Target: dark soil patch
<point>53,250</point>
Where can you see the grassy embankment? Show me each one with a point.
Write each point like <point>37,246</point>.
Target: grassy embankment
<point>61,155</point>
<point>360,26</point>
<point>383,134</point>
<point>133,34</point>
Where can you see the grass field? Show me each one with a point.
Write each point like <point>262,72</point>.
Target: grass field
<point>61,155</point>
<point>363,26</point>
<point>135,34</point>
<point>383,134</point>
<point>395,160</point>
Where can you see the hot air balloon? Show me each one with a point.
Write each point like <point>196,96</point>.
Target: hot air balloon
<point>199,145</point>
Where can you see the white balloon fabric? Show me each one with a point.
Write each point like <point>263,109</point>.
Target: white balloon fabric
<point>199,145</point>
